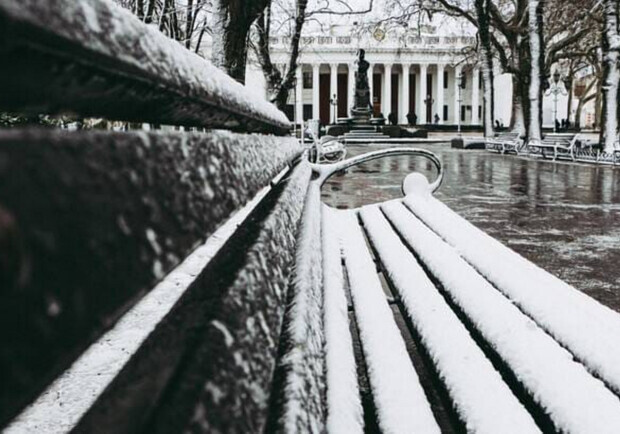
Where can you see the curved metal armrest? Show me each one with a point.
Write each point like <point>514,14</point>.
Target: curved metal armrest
<point>325,171</point>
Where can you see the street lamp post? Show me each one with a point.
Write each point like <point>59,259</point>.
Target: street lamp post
<point>334,102</point>
<point>555,89</point>
<point>460,100</point>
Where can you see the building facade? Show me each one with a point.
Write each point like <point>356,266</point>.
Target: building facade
<point>413,72</point>
<point>415,75</point>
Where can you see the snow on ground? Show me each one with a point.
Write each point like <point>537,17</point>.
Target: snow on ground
<point>574,400</point>
<point>398,396</point>
<point>482,399</point>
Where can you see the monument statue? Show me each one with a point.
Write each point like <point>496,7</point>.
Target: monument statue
<point>362,106</point>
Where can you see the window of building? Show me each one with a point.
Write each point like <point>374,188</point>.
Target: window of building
<point>289,111</point>
<point>307,78</point>
<point>307,111</point>
<point>479,112</point>
<point>480,80</point>
<point>463,111</point>
<point>445,79</point>
<point>463,80</point>
<point>445,112</point>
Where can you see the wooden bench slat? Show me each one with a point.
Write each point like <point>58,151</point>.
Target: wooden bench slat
<point>562,387</point>
<point>302,366</point>
<point>97,219</point>
<point>344,408</point>
<point>481,398</point>
<point>398,396</point>
<point>209,366</point>
<point>587,328</point>
<point>69,397</point>
<point>96,59</point>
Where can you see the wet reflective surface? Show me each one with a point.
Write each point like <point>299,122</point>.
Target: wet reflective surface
<point>563,217</point>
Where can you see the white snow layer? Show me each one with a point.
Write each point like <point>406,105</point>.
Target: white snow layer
<point>305,360</point>
<point>110,30</point>
<point>482,399</point>
<point>400,401</point>
<point>590,330</point>
<point>344,409</point>
<point>575,401</point>
<point>66,400</point>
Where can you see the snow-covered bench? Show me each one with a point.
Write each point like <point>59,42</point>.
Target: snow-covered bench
<point>509,347</point>
<point>504,142</point>
<point>555,146</point>
<point>172,281</point>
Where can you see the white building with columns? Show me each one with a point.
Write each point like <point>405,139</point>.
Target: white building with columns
<point>410,73</point>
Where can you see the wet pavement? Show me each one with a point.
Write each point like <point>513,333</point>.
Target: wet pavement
<point>563,217</point>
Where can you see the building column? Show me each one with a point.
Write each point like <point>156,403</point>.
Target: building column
<point>422,120</point>
<point>371,68</point>
<point>351,95</point>
<point>475,96</point>
<point>440,85</point>
<point>333,91</point>
<point>457,104</point>
<point>387,109</point>
<point>315,91</point>
<point>299,94</point>
<point>405,93</point>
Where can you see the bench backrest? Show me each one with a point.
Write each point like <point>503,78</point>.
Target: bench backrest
<point>91,221</point>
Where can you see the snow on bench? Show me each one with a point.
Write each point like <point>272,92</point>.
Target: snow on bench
<point>587,328</point>
<point>573,399</point>
<point>514,348</point>
<point>481,398</point>
<point>399,398</point>
<point>253,331</point>
<point>343,396</point>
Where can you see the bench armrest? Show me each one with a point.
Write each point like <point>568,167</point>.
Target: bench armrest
<point>325,171</point>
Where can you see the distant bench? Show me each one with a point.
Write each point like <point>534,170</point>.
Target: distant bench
<point>171,281</point>
<point>504,142</point>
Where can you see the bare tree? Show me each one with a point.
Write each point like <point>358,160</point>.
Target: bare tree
<point>486,59</point>
<point>232,20</point>
<point>537,67</point>
<point>611,75</point>
<point>280,83</point>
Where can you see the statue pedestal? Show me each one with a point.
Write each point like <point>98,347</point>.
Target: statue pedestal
<point>361,115</point>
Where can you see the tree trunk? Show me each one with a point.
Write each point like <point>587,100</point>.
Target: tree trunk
<point>189,22</point>
<point>486,57</point>
<point>232,20</point>
<point>517,120</point>
<point>229,46</point>
<point>569,103</point>
<point>150,11</point>
<point>611,76</point>
<point>140,9</point>
<point>280,83</point>
<point>535,18</point>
